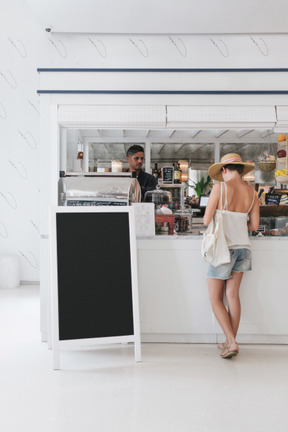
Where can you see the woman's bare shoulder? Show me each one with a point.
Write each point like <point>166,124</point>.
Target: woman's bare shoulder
<point>251,190</point>
<point>216,188</point>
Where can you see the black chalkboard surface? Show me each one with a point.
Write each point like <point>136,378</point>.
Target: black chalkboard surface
<point>167,174</point>
<point>93,277</point>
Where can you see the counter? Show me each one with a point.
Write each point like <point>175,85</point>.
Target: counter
<point>173,294</point>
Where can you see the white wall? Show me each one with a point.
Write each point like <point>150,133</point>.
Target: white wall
<point>162,17</point>
<point>25,46</point>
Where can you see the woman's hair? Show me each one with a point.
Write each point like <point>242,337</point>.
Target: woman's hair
<point>234,167</point>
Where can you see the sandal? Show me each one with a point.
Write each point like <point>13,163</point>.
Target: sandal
<point>221,346</point>
<point>228,352</point>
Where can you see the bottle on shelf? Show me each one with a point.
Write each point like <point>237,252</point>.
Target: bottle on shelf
<point>156,172</point>
<point>177,174</point>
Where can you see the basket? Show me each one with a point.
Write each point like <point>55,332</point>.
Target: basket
<point>267,166</point>
<point>283,161</point>
<point>282,179</point>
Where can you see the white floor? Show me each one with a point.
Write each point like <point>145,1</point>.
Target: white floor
<point>177,387</point>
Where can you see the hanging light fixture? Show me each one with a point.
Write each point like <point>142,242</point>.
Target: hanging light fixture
<point>184,166</point>
<point>80,150</point>
<point>116,166</point>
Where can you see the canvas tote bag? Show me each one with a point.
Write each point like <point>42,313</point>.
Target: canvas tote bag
<point>214,247</point>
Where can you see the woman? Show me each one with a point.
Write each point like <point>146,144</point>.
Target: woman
<point>240,213</point>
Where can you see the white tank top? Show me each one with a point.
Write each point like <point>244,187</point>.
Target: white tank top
<point>235,225</point>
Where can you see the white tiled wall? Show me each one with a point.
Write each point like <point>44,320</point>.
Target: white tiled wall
<point>25,46</point>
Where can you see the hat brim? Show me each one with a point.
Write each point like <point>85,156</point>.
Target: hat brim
<point>216,174</point>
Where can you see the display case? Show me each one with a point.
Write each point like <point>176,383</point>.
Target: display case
<point>272,226</point>
<point>105,189</point>
<point>177,192</point>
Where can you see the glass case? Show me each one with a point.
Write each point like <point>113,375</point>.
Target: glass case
<point>272,226</point>
<point>177,192</point>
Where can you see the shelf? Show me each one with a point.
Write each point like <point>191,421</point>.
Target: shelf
<point>273,211</point>
<point>171,185</point>
<point>97,174</point>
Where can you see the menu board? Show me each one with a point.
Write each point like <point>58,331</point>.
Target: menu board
<point>167,174</point>
<point>101,299</point>
<point>94,295</point>
<point>272,199</point>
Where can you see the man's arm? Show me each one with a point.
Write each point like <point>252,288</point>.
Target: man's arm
<point>147,183</point>
<point>151,183</point>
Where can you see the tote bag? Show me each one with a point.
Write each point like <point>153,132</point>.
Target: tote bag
<point>214,247</point>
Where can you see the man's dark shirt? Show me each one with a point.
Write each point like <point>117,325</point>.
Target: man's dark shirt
<point>147,182</point>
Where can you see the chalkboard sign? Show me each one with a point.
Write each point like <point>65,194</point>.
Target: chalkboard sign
<point>94,277</point>
<point>167,174</point>
<point>272,199</point>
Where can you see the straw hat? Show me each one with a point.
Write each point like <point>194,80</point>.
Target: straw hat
<point>230,158</point>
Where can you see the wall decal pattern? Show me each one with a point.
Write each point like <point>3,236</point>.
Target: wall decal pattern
<point>25,46</point>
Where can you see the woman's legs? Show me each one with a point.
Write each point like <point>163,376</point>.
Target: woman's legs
<point>233,300</point>
<point>215,287</point>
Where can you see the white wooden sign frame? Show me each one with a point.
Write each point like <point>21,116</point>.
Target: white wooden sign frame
<point>58,344</point>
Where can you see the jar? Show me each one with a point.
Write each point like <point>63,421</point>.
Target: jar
<point>183,221</point>
<point>165,228</point>
<point>158,197</point>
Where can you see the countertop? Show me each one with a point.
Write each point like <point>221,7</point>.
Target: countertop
<point>189,236</point>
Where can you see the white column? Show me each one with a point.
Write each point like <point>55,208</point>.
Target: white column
<point>63,150</point>
<point>86,156</point>
<point>216,152</point>
<point>54,156</point>
<point>148,156</point>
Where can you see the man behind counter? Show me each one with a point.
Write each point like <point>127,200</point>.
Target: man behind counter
<point>135,158</point>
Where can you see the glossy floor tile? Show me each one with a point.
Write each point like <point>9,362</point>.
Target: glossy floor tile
<point>177,387</point>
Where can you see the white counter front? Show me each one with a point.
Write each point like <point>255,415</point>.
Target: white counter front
<point>173,293</point>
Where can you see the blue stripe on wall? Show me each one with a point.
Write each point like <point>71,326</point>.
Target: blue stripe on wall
<point>179,92</point>
<point>163,70</point>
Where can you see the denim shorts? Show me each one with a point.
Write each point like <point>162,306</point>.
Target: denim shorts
<point>241,260</point>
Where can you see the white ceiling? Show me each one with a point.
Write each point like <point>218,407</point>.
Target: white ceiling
<point>170,145</point>
<point>174,135</point>
<point>162,16</point>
